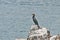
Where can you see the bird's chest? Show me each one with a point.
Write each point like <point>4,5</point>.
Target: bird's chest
<point>34,19</point>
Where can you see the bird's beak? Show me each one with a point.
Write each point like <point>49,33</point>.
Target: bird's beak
<point>32,14</point>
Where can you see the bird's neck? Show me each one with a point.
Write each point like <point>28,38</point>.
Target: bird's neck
<point>33,16</point>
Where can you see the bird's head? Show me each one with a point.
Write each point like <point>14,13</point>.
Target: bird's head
<point>33,14</point>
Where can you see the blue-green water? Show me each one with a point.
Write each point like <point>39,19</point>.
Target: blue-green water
<point>15,17</point>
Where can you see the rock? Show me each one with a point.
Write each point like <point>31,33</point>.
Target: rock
<point>21,39</point>
<point>55,37</point>
<point>36,33</point>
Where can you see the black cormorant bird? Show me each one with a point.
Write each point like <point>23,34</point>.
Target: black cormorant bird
<point>35,20</point>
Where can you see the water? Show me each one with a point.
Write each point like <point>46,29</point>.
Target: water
<point>15,17</point>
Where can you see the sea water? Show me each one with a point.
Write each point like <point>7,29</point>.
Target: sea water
<point>16,17</point>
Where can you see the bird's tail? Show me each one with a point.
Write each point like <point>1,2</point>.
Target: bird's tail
<point>38,27</point>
